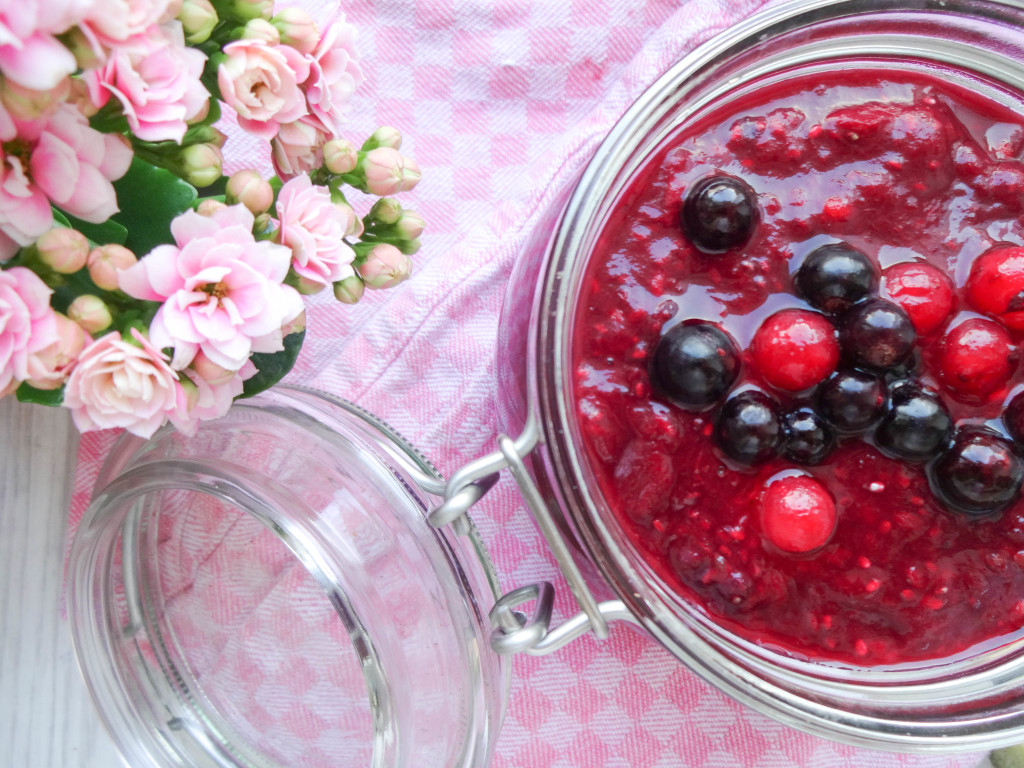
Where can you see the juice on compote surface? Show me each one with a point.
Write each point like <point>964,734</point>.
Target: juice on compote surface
<point>834,535</point>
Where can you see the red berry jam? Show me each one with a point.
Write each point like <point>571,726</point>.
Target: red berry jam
<point>848,251</point>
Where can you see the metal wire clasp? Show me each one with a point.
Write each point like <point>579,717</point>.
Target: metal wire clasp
<point>514,632</point>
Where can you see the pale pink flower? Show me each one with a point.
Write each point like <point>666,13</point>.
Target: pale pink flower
<point>155,76</point>
<point>30,53</point>
<point>314,228</point>
<point>27,323</point>
<point>261,83</point>
<point>298,147</point>
<point>385,267</point>
<point>118,383</point>
<point>334,72</point>
<point>115,21</point>
<point>222,291</point>
<point>50,367</point>
<point>209,400</point>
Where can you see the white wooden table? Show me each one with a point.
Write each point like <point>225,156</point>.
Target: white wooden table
<point>46,718</point>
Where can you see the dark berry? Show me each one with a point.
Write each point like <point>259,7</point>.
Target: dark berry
<point>748,429</point>
<point>835,277</point>
<point>694,364</point>
<point>797,514</point>
<point>924,292</point>
<point>806,437</point>
<point>976,359</point>
<point>995,286</point>
<point>795,349</point>
<point>980,474</point>
<point>852,400</point>
<point>877,334</point>
<point>917,425</point>
<point>1013,418</point>
<point>719,213</point>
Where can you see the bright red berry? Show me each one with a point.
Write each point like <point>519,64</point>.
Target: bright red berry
<point>976,359</point>
<point>995,286</point>
<point>923,291</point>
<point>797,514</point>
<point>795,349</point>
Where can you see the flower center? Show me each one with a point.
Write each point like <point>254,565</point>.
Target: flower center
<point>18,148</point>
<point>216,290</point>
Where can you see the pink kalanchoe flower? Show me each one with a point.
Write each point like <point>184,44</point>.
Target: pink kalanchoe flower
<point>117,383</point>
<point>27,323</point>
<point>155,76</point>
<point>30,53</point>
<point>209,400</point>
<point>334,72</point>
<point>222,291</point>
<point>114,21</point>
<point>298,147</point>
<point>261,83</point>
<point>314,228</point>
<point>50,367</point>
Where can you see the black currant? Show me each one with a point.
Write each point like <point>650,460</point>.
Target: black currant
<point>1013,418</point>
<point>806,437</point>
<point>748,429</point>
<point>719,213</point>
<point>876,334</point>
<point>694,364</point>
<point>979,475</point>
<point>917,425</point>
<point>835,277</point>
<point>852,400</point>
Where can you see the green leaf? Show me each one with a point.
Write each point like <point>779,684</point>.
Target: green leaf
<point>150,198</point>
<point>272,367</point>
<point>109,231</point>
<point>29,394</point>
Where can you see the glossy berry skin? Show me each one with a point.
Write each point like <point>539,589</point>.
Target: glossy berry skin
<point>835,277</point>
<point>795,349</point>
<point>981,474</point>
<point>921,290</point>
<point>876,334</point>
<point>806,437</point>
<point>720,212</point>
<point>797,514</point>
<point>995,286</point>
<point>694,364</point>
<point>748,429</point>
<point>852,401</point>
<point>917,426</point>
<point>976,359</point>
<point>1013,418</point>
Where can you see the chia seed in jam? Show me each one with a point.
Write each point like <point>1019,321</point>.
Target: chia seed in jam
<point>907,169</point>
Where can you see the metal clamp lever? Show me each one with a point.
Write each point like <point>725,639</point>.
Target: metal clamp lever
<point>514,633</point>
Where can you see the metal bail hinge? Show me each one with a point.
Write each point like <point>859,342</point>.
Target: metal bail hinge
<point>513,631</point>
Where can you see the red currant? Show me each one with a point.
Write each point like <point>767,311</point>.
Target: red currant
<point>923,291</point>
<point>797,514</point>
<point>795,349</point>
<point>995,286</point>
<point>976,359</point>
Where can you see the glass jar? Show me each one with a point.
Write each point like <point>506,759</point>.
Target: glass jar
<point>198,577</point>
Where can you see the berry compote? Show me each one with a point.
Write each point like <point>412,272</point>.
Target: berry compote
<point>879,225</point>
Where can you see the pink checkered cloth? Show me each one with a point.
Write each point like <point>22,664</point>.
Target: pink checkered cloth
<point>502,102</point>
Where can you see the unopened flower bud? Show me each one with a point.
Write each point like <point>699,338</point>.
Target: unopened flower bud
<point>105,261</point>
<point>350,290</point>
<point>410,174</point>
<point>209,371</point>
<point>383,169</point>
<point>387,210</point>
<point>28,104</point>
<point>209,206</point>
<point>308,287</point>
<point>385,266</point>
<point>385,136</point>
<point>250,189</point>
<point>340,156</point>
<point>252,9</point>
<point>190,390</point>
<point>88,55</point>
<point>63,250</point>
<point>353,224</point>
<point>198,19</point>
<point>410,225</point>
<point>79,98</point>
<point>200,164</point>
<point>261,31</point>
<point>90,312</point>
<point>409,247</point>
<point>261,223</point>
<point>201,115</point>
<point>297,29</point>
<point>49,367</point>
<point>295,325</point>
